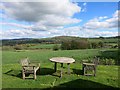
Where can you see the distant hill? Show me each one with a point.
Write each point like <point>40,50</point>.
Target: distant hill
<point>51,40</point>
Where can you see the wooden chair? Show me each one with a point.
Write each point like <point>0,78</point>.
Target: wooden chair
<point>87,67</point>
<point>29,68</point>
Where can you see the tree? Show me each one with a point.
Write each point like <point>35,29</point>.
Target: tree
<point>101,44</point>
<point>94,45</point>
<point>74,44</point>
<point>55,47</point>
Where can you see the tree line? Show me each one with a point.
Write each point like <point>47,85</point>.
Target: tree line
<point>78,44</point>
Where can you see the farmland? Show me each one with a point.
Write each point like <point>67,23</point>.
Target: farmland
<point>107,75</point>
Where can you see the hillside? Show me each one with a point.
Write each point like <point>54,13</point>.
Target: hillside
<point>55,40</point>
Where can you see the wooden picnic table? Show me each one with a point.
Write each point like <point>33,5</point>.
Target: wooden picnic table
<point>62,60</point>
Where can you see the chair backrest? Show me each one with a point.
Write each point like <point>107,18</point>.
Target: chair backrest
<point>96,60</point>
<point>24,62</point>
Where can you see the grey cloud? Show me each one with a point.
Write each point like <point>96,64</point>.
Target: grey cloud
<point>45,15</point>
<point>36,11</point>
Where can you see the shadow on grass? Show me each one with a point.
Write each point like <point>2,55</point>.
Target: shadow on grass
<point>78,71</point>
<point>18,73</point>
<point>74,85</point>
<point>15,73</point>
<point>46,71</point>
<point>80,84</point>
<point>49,71</point>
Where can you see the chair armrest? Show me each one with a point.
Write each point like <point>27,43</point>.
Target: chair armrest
<point>34,64</point>
<point>89,64</point>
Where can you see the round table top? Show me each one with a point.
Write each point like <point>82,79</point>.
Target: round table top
<point>62,60</point>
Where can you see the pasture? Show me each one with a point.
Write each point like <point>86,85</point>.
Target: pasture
<point>43,46</point>
<point>107,75</point>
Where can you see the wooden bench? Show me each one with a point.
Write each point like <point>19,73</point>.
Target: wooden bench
<point>29,68</point>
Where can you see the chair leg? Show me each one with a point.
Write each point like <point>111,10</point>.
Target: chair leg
<point>94,71</point>
<point>23,74</point>
<point>82,70</point>
<point>34,75</point>
<point>85,71</point>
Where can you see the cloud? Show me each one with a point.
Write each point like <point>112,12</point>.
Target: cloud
<point>116,14</point>
<point>52,20</point>
<point>49,20</point>
<point>102,22</point>
<point>108,33</point>
<point>84,4</point>
<point>2,6</point>
<point>45,15</point>
<point>84,7</point>
<point>95,26</point>
<point>15,25</point>
<point>53,23</point>
<point>31,33</point>
<point>69,31</point>
<point>37,11</point>
<point>101,18</point>
<point>93,33</point>
<point>23,33</point>
<point>72,31</point>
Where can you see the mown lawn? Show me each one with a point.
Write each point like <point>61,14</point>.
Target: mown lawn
<point>107,76</point>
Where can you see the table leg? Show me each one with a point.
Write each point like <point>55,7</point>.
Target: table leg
<point>61,70</point>
<point>68,68</point>
<point>55,67</point>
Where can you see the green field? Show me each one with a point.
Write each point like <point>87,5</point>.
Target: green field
<point>107,75</point>
<point>43,46</point>
<point>105,40</point>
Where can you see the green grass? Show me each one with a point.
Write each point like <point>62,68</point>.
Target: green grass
<point>107,76</point>
<point>43,56</point>
<point>106,40</point>
<point>47,78</point>
<point>112,44</point>
<point>43,46</point>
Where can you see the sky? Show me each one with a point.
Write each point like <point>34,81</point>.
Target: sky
<point>58,18</point>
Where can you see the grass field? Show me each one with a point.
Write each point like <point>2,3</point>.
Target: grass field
<point>43,56</point>
<point>43,46</point>
<point>107,76</point>
<point>105,40</point>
